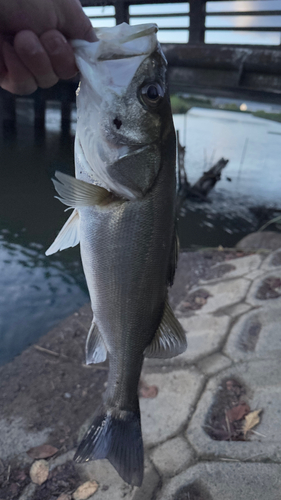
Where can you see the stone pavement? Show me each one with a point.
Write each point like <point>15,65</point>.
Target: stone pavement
<point>195,446</point>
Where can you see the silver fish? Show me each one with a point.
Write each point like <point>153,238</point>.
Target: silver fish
<point>124,218</point>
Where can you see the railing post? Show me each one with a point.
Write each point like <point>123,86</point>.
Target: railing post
<point>197,21</point>
<point>121,12</point>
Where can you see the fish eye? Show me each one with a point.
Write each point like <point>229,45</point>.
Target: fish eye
<point>152,94</point>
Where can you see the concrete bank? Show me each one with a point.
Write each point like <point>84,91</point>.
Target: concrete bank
<point>213,430</point>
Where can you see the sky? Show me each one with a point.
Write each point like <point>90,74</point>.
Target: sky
<point>181,36</point>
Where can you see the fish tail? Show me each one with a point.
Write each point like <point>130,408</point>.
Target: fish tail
<point>116,435</point>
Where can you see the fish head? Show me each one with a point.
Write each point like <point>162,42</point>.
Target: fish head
<point>124,111</point>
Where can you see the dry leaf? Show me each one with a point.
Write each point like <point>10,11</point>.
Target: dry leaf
<point>39,472</point>
<point>43,451</point>
<point>251,420</point>
<point>85,490</point>
<point>147,391</point>
<point>237,412</point>
<point>64,496</point>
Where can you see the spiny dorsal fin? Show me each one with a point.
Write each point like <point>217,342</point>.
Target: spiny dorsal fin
<point>95,347</point>
<point>69,235</point>
<point>76,193</point>
<point>170,338</point>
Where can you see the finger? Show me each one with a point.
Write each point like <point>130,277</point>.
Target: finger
<point>73,22</point>
<point>60,54</point>
<point>33,55</point>
<point>3,70</point>
<point>17,78</point>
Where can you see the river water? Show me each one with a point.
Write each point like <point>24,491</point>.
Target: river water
<point>38,291</point>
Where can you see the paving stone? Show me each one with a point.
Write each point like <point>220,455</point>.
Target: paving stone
<point>225,481</point>
<point>172,457</point>
<point>16,439</point>
<point>256,335</point>
<point>255,274</point>
<point>214,364</point>
<point>112,487</point>
<point>272,261</point>
<point>224,294</point>
<point>240,267</point>
<point>266,290</point>
<point>237,309</point>
<point>262,382</point>
<point>205,334</point>
<point>163,416</point>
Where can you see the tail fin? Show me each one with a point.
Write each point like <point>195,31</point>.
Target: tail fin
<point>115,435</point>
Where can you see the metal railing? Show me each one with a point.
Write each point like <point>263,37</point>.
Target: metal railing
<point>202,17</point>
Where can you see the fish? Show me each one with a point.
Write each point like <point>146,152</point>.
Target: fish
<point>123,198</point>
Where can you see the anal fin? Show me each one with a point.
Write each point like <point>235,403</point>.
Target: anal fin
<point>68,236</point>
<point>170,338</point>
<point>95,347</point>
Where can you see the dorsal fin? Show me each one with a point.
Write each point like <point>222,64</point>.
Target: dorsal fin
<point>95,347</point>
<point>170,338</point>
<point>69,235</point>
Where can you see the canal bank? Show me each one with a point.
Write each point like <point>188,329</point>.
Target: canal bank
<point>48,395</point>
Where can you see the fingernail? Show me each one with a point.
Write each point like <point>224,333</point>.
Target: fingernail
<point>54,45</point>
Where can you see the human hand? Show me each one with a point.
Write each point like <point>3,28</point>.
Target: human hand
<point>34,42</point>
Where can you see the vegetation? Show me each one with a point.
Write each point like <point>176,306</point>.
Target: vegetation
<point>181,104</point>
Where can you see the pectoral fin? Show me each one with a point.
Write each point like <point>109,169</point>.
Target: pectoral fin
<point>68,236</point>
<point>170,338</point>
<point>95,347</point>
<point>76,193</point>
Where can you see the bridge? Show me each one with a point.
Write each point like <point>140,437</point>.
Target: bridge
<point>196,65</point>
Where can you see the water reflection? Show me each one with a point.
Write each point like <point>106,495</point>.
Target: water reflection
<point>36,291</point>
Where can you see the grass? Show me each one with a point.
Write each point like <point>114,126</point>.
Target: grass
<point>181,105</point>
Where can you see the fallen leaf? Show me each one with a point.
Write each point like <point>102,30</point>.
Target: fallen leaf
<point>251,420</point>
<point>237,412</point>
<point>147,391</point>
<point>85,490</point>
<point>39,472</point>
<point>201,301</point>
<point>43,451</point>
<point>64,496</point>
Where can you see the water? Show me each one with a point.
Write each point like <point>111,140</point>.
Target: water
<point>38,291</point>
<point>250,181</point>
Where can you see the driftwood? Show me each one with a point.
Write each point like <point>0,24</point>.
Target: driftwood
<point>203,186</point>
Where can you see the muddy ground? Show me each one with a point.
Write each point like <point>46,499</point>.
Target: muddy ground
<point>49,386</point>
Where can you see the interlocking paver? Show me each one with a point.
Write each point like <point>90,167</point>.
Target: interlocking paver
<point>214,364</point>
<point>172,456</point>
<point>112,487</point>
<point>261,380</point>
<point>226,481</point>
<point>241,266</point>
<point>163,416</point>
<point>256,335</point>
<point>266,290</point>
<point>223,294</point>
